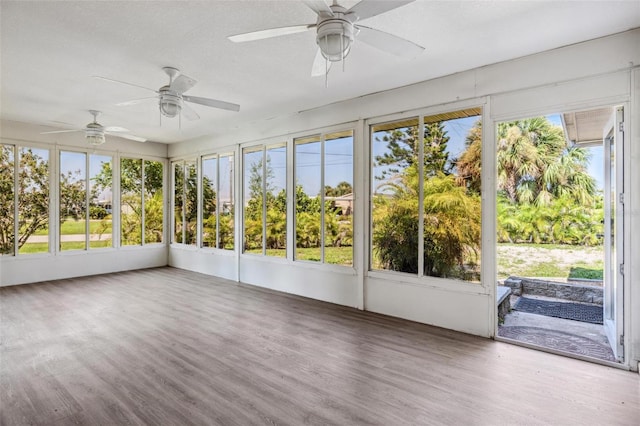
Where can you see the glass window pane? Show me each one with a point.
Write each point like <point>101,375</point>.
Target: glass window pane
<point>7,200</point>
<point>338,197</point>
<point>191,202</point>
<point>178,202</point>
<point>276,200</point>
<point>394,196</point>
<point>153,201</point>
<point>131,201</point>
<point>308,160</point>
<point>73,200</point>
<point>33,201</point>
<point>209,201</point>
<point>226,204</point>
<point>452,217</point>
<point>100,201</point>
<point>253,199</point>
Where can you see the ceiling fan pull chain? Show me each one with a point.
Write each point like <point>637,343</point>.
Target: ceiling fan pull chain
<point>342,50</point>
<point>326,73</point>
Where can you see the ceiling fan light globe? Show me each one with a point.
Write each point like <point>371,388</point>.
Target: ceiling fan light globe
<point>170,102</point>
<point>334,39</point>
<point>169,108</point>
<point>94,136</point>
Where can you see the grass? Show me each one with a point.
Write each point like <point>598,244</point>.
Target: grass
<point>72,227</point>
<point>79,245</point>
<point>333,255</point>
<point>542,269</point>
<point>30,248</point>
<point>527,260</point>
<point>550,261</point>
<point>587,273</point>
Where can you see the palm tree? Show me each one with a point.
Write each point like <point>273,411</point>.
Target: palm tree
<point>517,159</point>
<point>469,165</point>
<point>536,164</point>
<point>451,226</point>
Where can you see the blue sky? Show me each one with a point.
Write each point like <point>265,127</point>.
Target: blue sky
<point>458,129</point>
<point>338,164</point>
<point>76,161</point>
<point>596,164</point>
<point>338,158</point>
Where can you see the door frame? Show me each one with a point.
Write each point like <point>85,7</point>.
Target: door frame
<point>614,277</point>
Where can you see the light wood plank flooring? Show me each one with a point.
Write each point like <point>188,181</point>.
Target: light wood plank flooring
<point>170,347</point>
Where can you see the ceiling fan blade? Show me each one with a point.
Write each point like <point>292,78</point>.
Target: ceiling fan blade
<point>388,42</point>
<point>212,103</point>
<point>320,65</point>
<point>182,83</point>
<point>189,112</point>
<point>272,32</point>
<point>135,101</point>
<point>64,123</point>
<point>130,137</point>
<point>61,131</point>
<point>123,82</point>
<point>370,8</point>
<point>319,7</point>
<point>115,129</point>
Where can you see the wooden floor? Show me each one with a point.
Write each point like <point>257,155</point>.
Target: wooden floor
<point>171,347</point>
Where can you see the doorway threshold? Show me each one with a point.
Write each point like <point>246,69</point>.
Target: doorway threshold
<point>581,340</point>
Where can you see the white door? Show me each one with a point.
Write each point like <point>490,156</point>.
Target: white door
<point>614,232</point>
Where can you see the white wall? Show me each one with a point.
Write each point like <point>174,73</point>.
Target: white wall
<point>45,267</point>
<point>55,265</point>
<point>336,285</point>
<point>586,75</point>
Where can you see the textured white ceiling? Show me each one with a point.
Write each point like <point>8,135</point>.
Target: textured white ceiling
<point>50,50</point>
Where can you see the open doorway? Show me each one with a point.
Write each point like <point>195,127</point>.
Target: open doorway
<point>560,233</point>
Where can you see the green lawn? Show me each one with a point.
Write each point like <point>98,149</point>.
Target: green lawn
<point>71,245</point>
<point>79,245</point>
<point>527,260</point>
<point>547,260</point>
<point>29,248</point>
<point>71,227</point>
<point>333,255</point>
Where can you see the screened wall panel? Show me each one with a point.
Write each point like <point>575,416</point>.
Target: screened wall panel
<point>425,199</point>
<point>324,198</point>
<point>33,200</point>
<point>7,200</point>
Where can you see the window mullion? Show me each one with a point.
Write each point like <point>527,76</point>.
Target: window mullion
<point>142,195</point>
<point>16,193</point>
<point>87,215</point>
<point>321,195</point>
<point>420,138</point>
<point>184,202</point>
<point>217,188</point>
<point>264,200</point>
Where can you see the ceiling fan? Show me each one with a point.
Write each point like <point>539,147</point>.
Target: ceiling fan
<point>94,132</point>
<point>336,30</point>
<point>171,97</point>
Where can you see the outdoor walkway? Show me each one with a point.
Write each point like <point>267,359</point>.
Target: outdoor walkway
<point>574,337</point>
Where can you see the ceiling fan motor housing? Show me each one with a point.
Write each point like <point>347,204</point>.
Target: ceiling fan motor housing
<point>335,33</point>
<point>170,102</point>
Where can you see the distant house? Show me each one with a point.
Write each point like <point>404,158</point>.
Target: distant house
<point>345,202</point>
